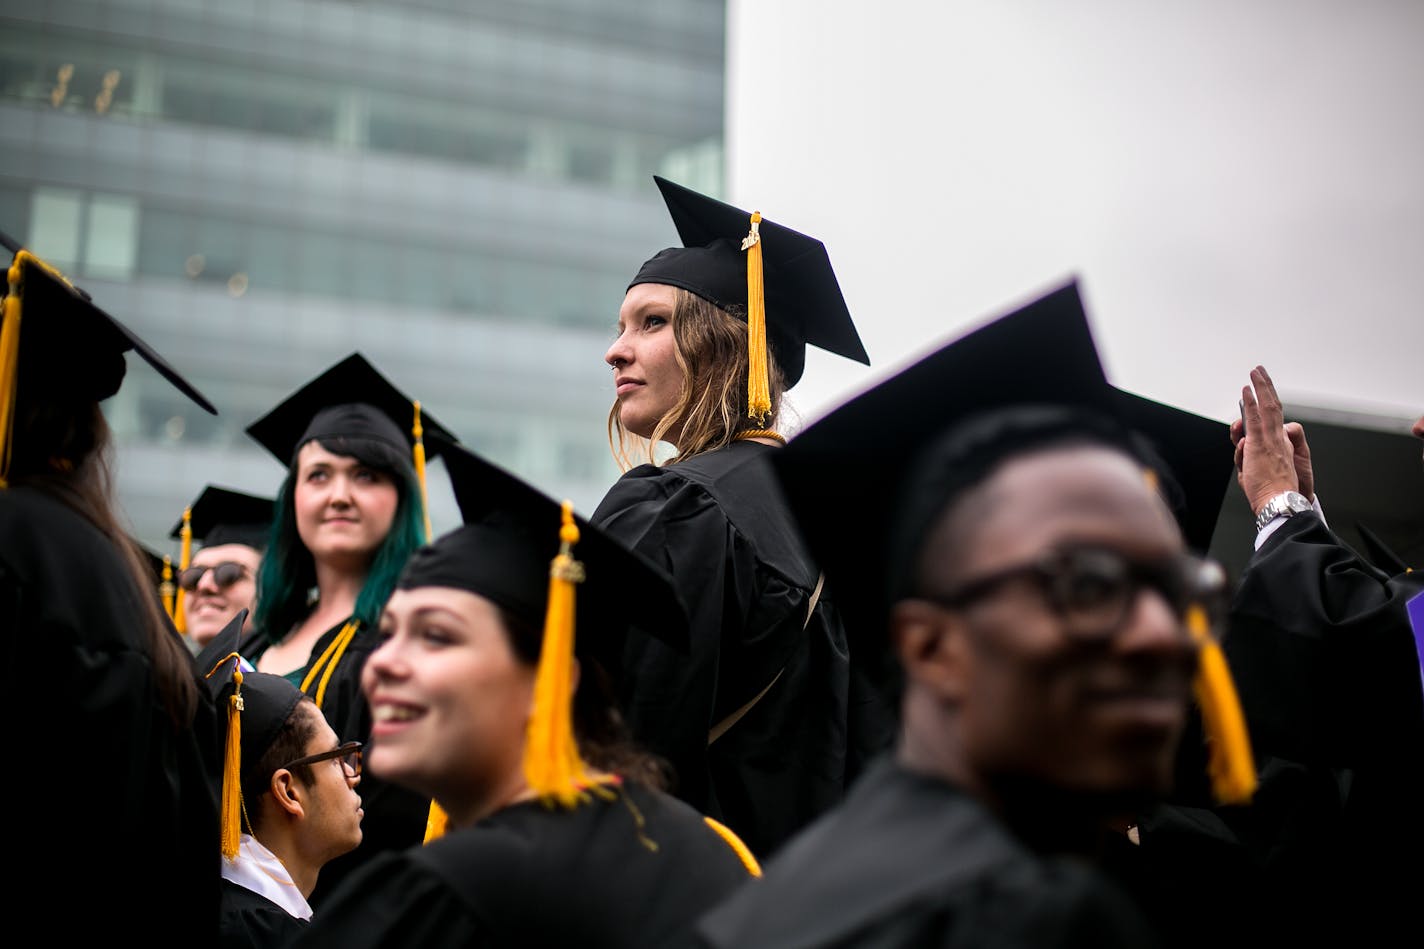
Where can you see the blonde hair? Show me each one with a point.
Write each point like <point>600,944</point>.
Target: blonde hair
<point>710,345</point>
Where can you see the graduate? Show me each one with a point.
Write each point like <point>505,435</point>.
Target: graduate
<point>1030,568</point>
<point>766,720</point>
<point>491,695</point>
<point>220,578</point>
<point>105,708</point>
<point>289,803</point>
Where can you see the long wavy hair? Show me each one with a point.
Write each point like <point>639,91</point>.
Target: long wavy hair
<point>711,410</point>
<point>288,571</point>
<point>64,449</point>
<point>602,734</point>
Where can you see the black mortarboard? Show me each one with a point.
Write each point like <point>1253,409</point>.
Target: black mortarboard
<point>803,301</point>
<point>225,516</point>
<point>503,551</point>
<point>350,400</point>
<point>257,706</point>
<point>530,555</point>
<point>1042,353</point>
<point>68,345</point>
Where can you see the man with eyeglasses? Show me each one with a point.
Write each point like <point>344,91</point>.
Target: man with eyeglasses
<point>291,808</point>
<point>1017,565</point>
<point>221,577</point>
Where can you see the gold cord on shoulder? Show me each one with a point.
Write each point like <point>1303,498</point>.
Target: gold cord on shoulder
<point>760,433</point>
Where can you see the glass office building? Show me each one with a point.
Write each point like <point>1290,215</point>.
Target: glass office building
<point>459,190</point>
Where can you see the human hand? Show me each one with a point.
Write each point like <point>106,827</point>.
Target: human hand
<point>1268,455</point>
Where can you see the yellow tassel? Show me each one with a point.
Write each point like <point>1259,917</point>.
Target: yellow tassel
<point>166,586</point>
<point>326,663</point>
<point>185,560</point>
<point>418,431</point>
<point>758,379</point>
<point>436,822</point>
<point>744,852</point>
<point>9,363</point>
<point>1229,764</point>
<point>552,765</point>
<point>231,809</point>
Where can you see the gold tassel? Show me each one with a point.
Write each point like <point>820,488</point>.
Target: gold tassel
<point>1229,763</point>
<point>231,809</point>
<point>758,380</point>
<point>166,586</point>
<point>552,765</point>
<point>10,363</point>
<point>436,822</point>
<point>418,431</point>
<point>743,852</point>
<point>185,560</point>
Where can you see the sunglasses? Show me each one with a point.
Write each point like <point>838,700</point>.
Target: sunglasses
<point>225,574</point>
<point>349,753</point>
<point>1093,589</point>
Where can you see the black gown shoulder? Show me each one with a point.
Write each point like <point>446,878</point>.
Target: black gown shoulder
<point>765,633</point>
<point>249,920</point>
<point>121,785</point>
<point>631,870</point>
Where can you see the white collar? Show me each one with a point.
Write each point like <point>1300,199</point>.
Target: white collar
<point>258,869</point>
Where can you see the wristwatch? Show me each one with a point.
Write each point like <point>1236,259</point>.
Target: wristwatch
<point>1285,504</point>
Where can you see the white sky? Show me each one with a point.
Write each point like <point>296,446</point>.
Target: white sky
<point>1233,181</point>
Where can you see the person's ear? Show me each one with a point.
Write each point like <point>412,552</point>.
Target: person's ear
<point>288,793</point>
<point>932,645</point>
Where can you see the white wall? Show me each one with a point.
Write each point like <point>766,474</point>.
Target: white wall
<point>1234,181</point>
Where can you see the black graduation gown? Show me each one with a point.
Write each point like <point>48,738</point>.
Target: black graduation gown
<point>249,920</point>
<point>394,818</point>
<point>632,871</point>
<point>908,860</point>
<point>113,819</point>
<point>1323,658</point>
<point>719,525</point>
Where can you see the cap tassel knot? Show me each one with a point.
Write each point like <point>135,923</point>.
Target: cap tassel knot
<point>552,765</point>
<point>418,431</point>
<point>10,362</point>
<point>185,560</point>
<point>758,377</point>
<point>1230,764</point>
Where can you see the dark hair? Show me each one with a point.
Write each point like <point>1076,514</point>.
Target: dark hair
<point>290,744</point>
<point>603,737</point>
<point>62,448</point>
<point>967,454</point>
<point>711,349</point>
<point>288,570</point>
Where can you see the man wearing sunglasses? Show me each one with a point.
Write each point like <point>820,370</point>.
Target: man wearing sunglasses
<point>221,577</point>
<point>296,808</point>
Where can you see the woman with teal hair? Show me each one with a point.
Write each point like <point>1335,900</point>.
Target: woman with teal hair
<point>350,511</point>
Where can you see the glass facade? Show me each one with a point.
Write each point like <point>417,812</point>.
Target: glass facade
<point>458,190</point>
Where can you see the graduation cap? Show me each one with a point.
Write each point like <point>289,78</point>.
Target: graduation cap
<point>535,558</point>
<point>69,348</point>
<point>1040,354</point>
<point>258,706</point>
<point>224,516</point>
<point>782,278</point>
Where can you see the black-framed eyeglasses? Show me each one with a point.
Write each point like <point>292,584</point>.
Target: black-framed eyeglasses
<point>225,574</point>
<point>349,754</point>
<point>1093,589</point>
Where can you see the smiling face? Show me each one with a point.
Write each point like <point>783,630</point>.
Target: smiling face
<point>1039,702</point>
<point>207,609</point>
<point>647,379</point>
<point>344,509</point>
<point>449,701</point>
